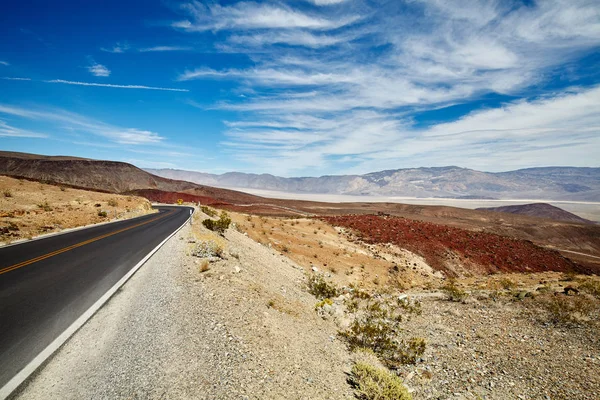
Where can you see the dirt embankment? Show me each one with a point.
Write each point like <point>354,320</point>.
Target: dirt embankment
<point>29,209</point>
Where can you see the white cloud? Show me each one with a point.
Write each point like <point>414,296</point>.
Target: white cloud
<point>67,120</point>
<point>120,47</point>
<point>292,38</point>
<point>164,48</point>
<point>250,15</point>
<point>326,2</point>
<point>98,70</point>
<point>4,63</point>
<point>10,78</point>
<point>318,91</point>
<point>563,129</point>
<point>109,85</point>
<point>11,131</point>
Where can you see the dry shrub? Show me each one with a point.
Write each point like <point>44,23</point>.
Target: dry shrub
<point>208,211</point>
<point>453,292</point>
<point>590,286</point>
<point>560,309</point>
<point>507,283</point>
<point>220,225</point>
<point>113,202</point>
<point>208,249</point>
<point>378,326</point>
<point>7,193</point>
<point>372,383</point>
<point>320,288</point>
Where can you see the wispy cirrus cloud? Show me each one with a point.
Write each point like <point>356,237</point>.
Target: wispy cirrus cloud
<point>11,131</point>
<point>324,87</point>
<point>119,47</point>
<point>67,120</point>
<point>251,15</point>
<point>124,47</point>
<point>110,85</point>
<point>98,70</point>
<point>105,85</point>
<point>4,63</point>
<point>326,2</point>
<point>164,48</point>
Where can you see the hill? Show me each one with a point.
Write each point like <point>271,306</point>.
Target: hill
<point>541,210</point>
<point>553,183</point>
<point>108,176</point>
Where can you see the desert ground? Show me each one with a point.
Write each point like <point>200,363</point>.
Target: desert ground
<point>284,308</point>
<point>29,209</point>
<point>588,210</point>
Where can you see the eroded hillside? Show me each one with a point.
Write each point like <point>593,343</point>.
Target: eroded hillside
<point>29,209</point>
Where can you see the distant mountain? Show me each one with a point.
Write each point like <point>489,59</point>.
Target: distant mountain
<point>552,183</point>
<point>541,210</point>
<point>109,176</point>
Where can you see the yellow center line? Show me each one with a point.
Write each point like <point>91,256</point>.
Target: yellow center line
<point>54,253</point>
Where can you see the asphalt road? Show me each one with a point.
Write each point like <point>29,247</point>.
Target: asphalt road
<point>46,284</point>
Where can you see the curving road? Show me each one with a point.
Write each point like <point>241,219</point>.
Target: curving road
<point>47,284</point>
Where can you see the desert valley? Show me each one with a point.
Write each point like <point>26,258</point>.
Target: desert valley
<point>307,299</point>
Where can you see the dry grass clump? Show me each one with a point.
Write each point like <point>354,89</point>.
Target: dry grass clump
<point>7,193</point>
<point>204,265</point>
<point>372,383</point>
<point>45,206</point>
<point>113,202</point>
<point>320,288</point>
<point>507,284</point>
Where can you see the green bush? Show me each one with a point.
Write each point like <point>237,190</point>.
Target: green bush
<point>219,225</point>
<point>208,211</point>
<point>102,214</point>
<point>374,383</point>
<point>320,288</point>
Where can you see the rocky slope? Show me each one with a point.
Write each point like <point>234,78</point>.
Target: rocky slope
<point>556,183</point>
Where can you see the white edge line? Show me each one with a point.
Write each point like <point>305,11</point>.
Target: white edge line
<point>34,364</point>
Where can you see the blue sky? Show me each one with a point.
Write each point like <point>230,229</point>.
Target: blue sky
<point>303,87</point>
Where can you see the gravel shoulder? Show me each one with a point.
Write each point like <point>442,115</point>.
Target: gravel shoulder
<point>244,329</point>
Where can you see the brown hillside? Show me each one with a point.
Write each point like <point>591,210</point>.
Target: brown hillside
<point>105,176</point>
<point>542,210</point>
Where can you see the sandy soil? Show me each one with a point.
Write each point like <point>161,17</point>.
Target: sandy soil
<point>29,209</point>
<point>314,244</point>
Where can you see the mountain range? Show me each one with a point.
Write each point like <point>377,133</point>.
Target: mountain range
<point>552,183</point>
